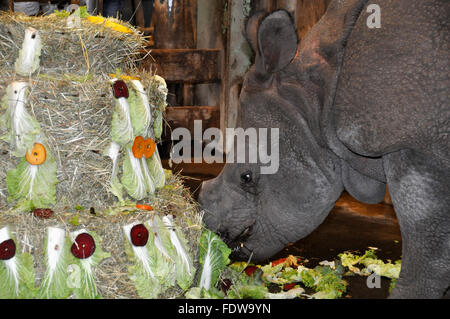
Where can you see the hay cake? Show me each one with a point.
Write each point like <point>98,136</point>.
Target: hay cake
<point>80,174</point>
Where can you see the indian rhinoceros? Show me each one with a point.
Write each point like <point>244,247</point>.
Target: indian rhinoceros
<point>358,108</point>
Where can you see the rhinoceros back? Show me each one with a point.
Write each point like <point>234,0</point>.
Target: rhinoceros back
<point>393,90</point>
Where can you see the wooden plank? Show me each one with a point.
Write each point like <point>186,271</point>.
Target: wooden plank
<point>185,65</point>
<point>175,23</point>
<point>184,116</point>
<point>308,12</point>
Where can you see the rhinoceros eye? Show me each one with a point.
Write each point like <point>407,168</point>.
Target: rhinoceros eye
<point>246,177</point>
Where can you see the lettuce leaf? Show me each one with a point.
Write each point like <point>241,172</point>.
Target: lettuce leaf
<point>133,178</point>
<point>158,124</point>
<point>34,186</point>
<point>156,170</point>
<point>213,257</point>
<point>140,112</point>
<point>28,61</point>
<point>121,127</point>
<point>87,288</point>
<point>143,269</point>
<point>17,277</point>
<point>184,264</point>
<point>24,129</point>
<point>57,255</point>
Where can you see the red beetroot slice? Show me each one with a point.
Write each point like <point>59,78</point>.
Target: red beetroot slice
<point>287,287</point>
<point>226,285</point>
<point>250,270</point>
<point>139,235</point>
<point>43,213</point>
<point>120,89</point>
<point>84,246</point>
<point>7,249</point>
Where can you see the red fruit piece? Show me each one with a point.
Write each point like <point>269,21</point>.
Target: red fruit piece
<point>287,287</point>
<point>225,285</point>
<point>250,270</point>
<point>139,235</point>
<point>7,249</point>
<point>278,261</point>
<point>84,246</point>
<point>43,213</point>
<point>120,89</point>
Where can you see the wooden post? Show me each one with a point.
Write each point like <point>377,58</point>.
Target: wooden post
<point>175,24</point>
<point>237,61</point>
<point>140,20</point>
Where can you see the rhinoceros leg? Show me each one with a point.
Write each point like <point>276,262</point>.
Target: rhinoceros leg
<point>420,189</point>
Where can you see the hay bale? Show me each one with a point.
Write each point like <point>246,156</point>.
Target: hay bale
<point>112,276</point>
<point>70,97</point>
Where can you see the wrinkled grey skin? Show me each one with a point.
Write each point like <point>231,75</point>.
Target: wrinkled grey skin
<point>357,109</point>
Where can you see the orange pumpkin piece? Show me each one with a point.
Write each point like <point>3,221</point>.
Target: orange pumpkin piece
<point>149,147</point>
<point>138,147</point>
<point>37,156</point>
<point>144,207</point>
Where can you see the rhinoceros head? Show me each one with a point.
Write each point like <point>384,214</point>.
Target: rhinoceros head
<point>259,214</point>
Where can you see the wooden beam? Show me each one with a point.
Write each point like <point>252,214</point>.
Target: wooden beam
<point>185,65</point>
<point>184,116</point>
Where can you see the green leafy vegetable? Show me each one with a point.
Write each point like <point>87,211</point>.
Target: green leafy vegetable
<point>24,129</point>
<point>133,178</point>
<point>87,288</point>
<point>156,170</point>
<point>140,112</point>
<point>213,257</point>
<point>143,269</point>
<point>33,185</point>
<point>158,124</point>
<point>57,256</point>
<point>184,264</point>
<point>28,61</point>
<point>372,264</point>
<point>121,127</point>
<point>17,278</point>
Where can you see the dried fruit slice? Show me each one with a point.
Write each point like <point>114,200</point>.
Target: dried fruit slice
<point>84,246</point>
<point>37,155</point>
<point>144,207</point>
<point>7,249</point>
<point>139,235</point>
<point>138,148</point>
<point>149,147</point>
<point>43,213</point>
<point>120,89</point>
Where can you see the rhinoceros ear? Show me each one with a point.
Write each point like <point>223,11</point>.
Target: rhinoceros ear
<point>277,41</point>
<point>252,29</point>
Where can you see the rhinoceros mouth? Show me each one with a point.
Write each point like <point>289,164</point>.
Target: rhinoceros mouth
<point>237,244</point>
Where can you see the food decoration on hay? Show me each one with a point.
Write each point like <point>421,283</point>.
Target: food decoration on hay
<point>87,210</point>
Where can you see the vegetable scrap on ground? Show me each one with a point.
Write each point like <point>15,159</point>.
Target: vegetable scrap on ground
<point>285,278</point>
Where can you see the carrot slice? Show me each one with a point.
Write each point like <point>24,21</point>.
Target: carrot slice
<point>149,147</point>
<point>138,147</point>
<point>144,207</point>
